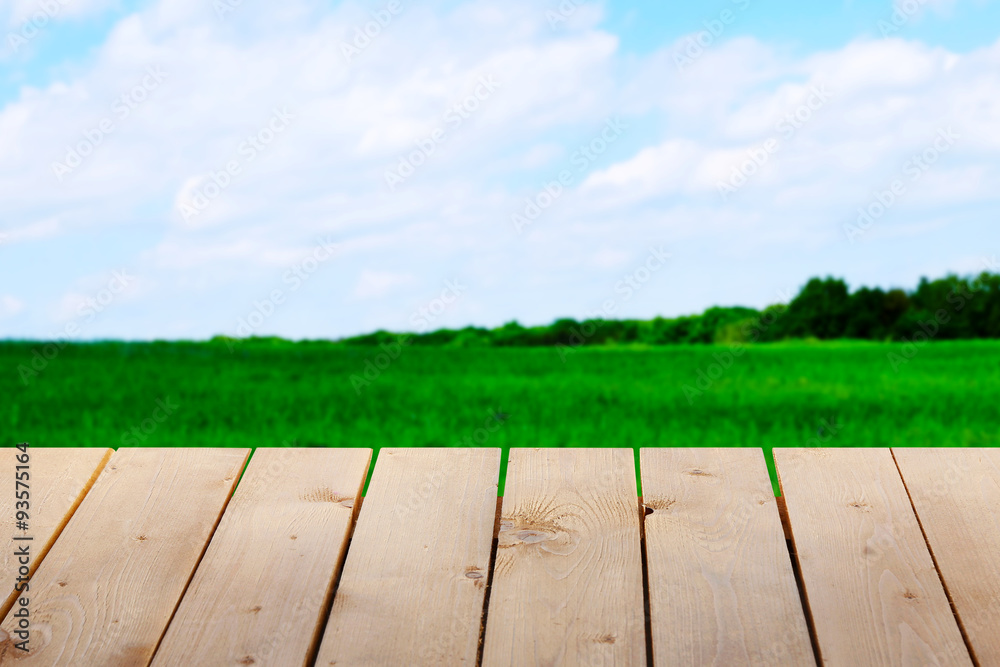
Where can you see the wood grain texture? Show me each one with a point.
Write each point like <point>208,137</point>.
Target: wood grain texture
<point>721,586</point>
<point>59,478</point>
<point>265,582</point>
<point>956,493</point>
<point>107,589</point>
<point>567,584</point>
<point>872,589</point>
<point>413,586</point>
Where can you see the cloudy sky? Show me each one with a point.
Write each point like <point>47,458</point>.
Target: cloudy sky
<point>186,168</point>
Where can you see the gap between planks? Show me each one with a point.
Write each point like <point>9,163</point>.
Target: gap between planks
<point>648,616</point>
<point>786,526</point>
<point>366,597</point>
<point>877,483</point>
<point>937,567</point>
<point>50,539</point>
<point>643,511</point>
<point>201,556</point>
<point>489,581</point>
<point>328,607</point>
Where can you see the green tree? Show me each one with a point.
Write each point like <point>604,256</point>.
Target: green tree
<point>820,310</point>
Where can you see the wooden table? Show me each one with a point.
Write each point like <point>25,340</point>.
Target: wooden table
<point>147,556</point>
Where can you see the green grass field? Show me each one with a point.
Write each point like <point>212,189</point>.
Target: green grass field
<point>267,394</point>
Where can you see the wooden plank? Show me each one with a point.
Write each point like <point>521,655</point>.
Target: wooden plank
<point>869,580</point>
<point>59,478</point>
<point>107,589</point>
<point>567,585</point>
<point>721,586</point>
<point>264,585</point>
<point>414,581</point>
<point>956,493</point>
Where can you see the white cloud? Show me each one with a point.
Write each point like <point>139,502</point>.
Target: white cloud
<point>377,284</point>
<point>10,306</point>
<point>19,11</point>
<point>541,155</point>
<point>32,231</point>
<point>354,121</point>
<point>673,166</point>
<point>918,7</point>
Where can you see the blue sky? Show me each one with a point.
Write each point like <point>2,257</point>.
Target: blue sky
<point>803,27</point>
<point>177,170</point>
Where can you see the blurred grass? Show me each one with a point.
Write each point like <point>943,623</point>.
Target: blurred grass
<point>268,395</point>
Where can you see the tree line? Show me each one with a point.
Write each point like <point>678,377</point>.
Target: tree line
<point>949,308</point>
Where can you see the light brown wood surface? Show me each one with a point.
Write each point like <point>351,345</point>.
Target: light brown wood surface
<point>109,585</point>
<point>874,594</point>
<point>721,586</point>
<point>956,493</point>
<point>59,478</point>
<point>264,585</point>
<point>567,586</point>
<point>567,576</point>
<point>412,590</point>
